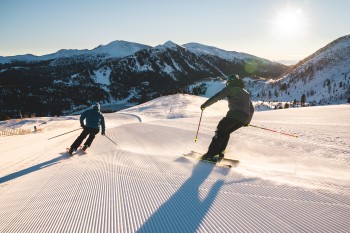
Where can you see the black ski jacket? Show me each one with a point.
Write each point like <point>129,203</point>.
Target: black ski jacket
<point>239,103</point>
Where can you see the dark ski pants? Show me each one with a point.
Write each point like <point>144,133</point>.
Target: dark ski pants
<point>222,135</point>
<point>87,131</point>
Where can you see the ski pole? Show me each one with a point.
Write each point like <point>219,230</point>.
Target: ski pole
<point>199,124</point>
<point>275,131</point>
<point>63,134</point>
<point>111,140</point>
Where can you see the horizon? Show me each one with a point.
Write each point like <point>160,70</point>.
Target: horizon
<point>281,31</point>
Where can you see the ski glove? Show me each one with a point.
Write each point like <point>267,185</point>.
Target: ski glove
<point>82,126</point>
<point>103,132</point>
<point>202,107</point>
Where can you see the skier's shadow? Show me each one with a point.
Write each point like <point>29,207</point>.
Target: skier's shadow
<point>31,169</point>
<point>185,210</point>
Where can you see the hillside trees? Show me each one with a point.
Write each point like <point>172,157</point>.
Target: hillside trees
<point>283,87</point>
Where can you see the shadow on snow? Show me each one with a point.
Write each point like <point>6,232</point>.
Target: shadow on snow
<point>185,210</point>
<point>31,169</point>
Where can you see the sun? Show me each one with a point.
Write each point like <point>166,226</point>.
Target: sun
<point>288,22</point>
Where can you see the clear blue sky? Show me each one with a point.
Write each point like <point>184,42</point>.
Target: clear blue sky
<point>272,29</point>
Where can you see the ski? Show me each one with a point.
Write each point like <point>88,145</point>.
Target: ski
<point>229,163</point>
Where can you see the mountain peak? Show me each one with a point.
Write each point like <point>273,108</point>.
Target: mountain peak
<point>120,48</point>
<point>167,45</point>
<point>170,44</point>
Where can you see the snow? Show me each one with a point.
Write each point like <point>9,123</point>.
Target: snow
<point>102,76</point>
<point>282,184</point>
<point>144,68</point>
<point>174,107</point>
<point>177,66</point>
<point>169,70</point>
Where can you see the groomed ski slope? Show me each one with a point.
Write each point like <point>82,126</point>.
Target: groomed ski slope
<point>283,184</point>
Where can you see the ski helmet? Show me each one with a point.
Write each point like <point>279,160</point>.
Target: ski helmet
<point>234,80</point>
<point>96,107</point>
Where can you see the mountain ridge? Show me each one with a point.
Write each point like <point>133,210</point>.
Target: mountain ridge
<point>107,49</point>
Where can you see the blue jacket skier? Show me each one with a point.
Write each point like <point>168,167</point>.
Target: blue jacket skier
<point>94,119</point>
<point>240,113</point>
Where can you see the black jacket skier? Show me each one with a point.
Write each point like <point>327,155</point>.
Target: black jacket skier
<point>240,113</point>
<point>94,119</point>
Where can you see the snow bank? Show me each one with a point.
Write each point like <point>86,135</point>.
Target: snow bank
<point>176,106</point>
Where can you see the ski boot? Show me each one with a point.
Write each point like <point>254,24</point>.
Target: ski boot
<point>71,151</point>
<point>208,157</point>
<point>221,155</point>
<point>84,148</point>
<point>216,158</point>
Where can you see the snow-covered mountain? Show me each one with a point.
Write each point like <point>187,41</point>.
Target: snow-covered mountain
<point>115,49</point>
<point>116,73</point>
<point>118,49</point>
<point>252,65</point>
<point>123,72</point>
<point>323,77</point>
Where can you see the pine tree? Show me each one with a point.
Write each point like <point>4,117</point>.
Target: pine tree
<point>303,100</point>
<point>283,87</point>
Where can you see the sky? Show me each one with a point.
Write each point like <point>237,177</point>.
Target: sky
<point>273,29</point>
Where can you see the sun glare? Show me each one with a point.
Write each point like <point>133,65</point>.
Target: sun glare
<point>288,22</point>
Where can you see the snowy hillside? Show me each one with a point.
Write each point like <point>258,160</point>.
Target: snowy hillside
<point>323,77</point>
<point>144,184</point>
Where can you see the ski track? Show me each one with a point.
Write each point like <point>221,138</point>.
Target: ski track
<point>141,185</point>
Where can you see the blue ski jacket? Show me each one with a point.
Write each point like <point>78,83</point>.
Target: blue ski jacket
<point>94,119</point>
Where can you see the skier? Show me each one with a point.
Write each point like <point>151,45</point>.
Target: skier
<point>94,119</point>
<point>240,113</point>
